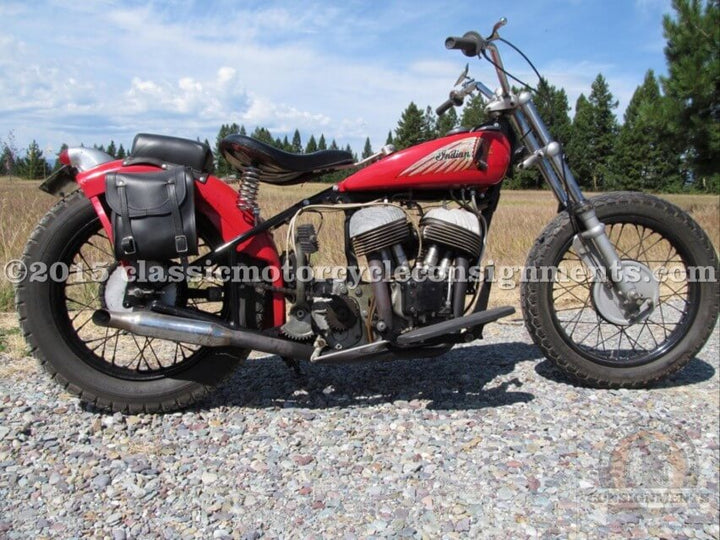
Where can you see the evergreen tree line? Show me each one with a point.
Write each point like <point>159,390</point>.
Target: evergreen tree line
<point>669,139</point>
<point>34,164</point>
<point>295,145</point>
<point>30,165</point>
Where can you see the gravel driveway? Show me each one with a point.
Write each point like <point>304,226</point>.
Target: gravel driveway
<point>488,441</point>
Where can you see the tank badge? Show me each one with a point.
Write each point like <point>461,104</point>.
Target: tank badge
<point>456,156</point>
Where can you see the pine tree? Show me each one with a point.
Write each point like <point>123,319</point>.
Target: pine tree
<point>693,86</point>
<point>447,122</point>
<point>606,128</point>
<point>296,143</point>
<point>473,113</point>
<point>367,149</point>
<point>33,165</point>
<point>552,106</point>
<point>580,141</point>
<point>222,167</point>
<point>9,157</point>
<point>333,145</point>
<point>8,161</point>
<point>430,123</point>
<point>111,149</point>
<point>594,130</point>
<point>263,135</point>
<point>645,154</point>
<point>58,164</point>
<point>411,127</point>
<point>122,154</point>
<point>311,145</point>
<point>322,145</point>
<point>389,139</point>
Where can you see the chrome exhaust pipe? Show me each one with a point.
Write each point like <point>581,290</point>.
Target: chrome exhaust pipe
<point>197,332</point>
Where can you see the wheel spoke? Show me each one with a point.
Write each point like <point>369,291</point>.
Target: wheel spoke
<point>573,304</point>
<point>645,250</point>
<point>113,349</point>
<point>103,251</point>
<point>592,331</point>
<point>622,333</point>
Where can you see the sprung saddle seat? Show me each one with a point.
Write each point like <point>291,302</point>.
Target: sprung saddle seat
<point>277,166</point>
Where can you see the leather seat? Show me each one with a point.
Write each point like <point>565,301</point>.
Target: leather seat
<point>186,152</point>
<point>277,166</point>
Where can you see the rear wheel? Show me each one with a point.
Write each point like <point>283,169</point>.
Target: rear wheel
<point>577,326</point>
<point>113,369</point>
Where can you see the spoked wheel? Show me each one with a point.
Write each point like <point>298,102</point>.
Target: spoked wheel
<point>96,281</point>
<point>115,369</point>
<point>576,320</point>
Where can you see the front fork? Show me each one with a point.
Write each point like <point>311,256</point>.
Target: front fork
<point>591,242</point>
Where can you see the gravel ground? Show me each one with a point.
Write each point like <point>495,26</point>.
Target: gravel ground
<point>488,441</point>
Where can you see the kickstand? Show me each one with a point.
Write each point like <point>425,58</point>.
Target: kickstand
<point>294,364</point>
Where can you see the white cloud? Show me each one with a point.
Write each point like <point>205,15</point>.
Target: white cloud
<point>185,68</point>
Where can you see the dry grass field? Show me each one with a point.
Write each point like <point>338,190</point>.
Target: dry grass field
<point>519,219</point>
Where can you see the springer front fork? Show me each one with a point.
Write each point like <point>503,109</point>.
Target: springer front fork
<point>591,242</point>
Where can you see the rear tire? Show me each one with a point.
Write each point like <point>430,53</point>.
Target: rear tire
<point>563,322</point>
<point>47,319</point>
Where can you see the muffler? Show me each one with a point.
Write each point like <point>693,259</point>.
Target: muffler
<point>197,332</point>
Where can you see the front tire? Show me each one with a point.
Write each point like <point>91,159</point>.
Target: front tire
<point>112,370</point>
<point>561,316</point>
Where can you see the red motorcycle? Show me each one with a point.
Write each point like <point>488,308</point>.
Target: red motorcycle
<point>149,284</point>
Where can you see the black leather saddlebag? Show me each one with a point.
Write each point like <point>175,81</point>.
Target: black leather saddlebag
<point>153,214</point>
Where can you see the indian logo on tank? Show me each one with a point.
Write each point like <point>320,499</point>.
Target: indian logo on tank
<point>456,156</point>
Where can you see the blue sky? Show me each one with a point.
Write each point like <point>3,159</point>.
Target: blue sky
<point>99,70</point>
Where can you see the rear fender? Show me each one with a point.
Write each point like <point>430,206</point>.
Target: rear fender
<point>216,201</point>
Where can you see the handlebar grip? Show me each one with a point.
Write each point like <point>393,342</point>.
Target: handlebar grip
<point>442,109</point>
<point>470,44</point>
<point>455,100</point>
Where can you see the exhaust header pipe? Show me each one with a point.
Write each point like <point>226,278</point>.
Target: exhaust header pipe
<point>197,332</point>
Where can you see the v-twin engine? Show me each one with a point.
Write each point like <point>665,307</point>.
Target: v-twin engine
<point>435,286</point>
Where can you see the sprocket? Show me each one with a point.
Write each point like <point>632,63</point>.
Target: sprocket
<point>298,326</point>
<point>341,312</point>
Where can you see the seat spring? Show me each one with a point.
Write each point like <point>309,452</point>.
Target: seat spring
<point>248,190</point>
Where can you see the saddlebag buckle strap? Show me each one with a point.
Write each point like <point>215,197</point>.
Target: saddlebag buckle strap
<point>127,243</point>
<point>181,243</point>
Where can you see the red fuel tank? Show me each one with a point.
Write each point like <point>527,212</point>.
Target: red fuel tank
<point>478,158</point>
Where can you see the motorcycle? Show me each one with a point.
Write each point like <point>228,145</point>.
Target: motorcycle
<point>166,277</point>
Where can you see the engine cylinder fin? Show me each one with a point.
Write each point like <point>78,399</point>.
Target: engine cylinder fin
<point>381,237</point>
<point>449,234</point>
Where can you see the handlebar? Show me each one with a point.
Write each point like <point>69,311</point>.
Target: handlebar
<point>455,100</point>
<point>471,44</point>
<point>446,105</point>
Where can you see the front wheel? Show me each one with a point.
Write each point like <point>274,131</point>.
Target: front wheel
<point>569,320</point>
